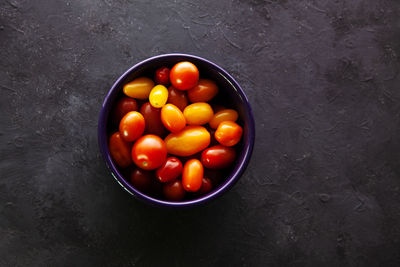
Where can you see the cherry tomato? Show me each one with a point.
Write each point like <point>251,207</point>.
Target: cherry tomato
<point>228,133</point>
<point>192,175</point>
<point>198,113</point>
<point>120,150</point>
<point>223,115</point>
<point>172,118</point>
<point>174,191</point>
<point>170,170</point>
<point>124,105</point>
<point>177,98</point>
<point>162,76</point>
<point>184,75</point>
<point>149,152</point>
<point>189,141</point>
<point>206,186</point>
<point>152,117</point>
<point>132,126</point>
<point>141,180</point>
<point>218,157</point>
<point>139,88</point>
<point>204,91</point>
<point>158,96</point>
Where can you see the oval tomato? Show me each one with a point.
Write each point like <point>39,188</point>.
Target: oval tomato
<point>184,75</point>
<point>198,113</point>
<point>170,170</point>
<point>158,96</point>
<point>162,76</point>
<point>174,191</point>
<point>177,98</point>
<point>206,186</point>
<point>204,91</point>
<point>228,133</point>
<point>189,141</point>
<point>132,126</point>
<point>141,180</point>
<point>139,88</point>
<point>172,118</point>
<point>192,175</point>
<point>120,150</point>
<point>123,106</point>
<point>223,115</point>
<point>218,157</point>
<point>152,117</point>
<point>149,152</point>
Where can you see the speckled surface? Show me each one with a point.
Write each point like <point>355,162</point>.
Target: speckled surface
<point>323,185</point>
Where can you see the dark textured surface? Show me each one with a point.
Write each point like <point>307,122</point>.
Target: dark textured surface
<point>322,188</point>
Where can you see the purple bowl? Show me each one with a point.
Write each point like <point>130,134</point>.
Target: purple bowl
<point>234,97</point>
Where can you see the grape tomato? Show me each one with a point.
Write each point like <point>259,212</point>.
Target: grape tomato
<point>184,75</point>
<point>192,175</point>
<point>139,88</point>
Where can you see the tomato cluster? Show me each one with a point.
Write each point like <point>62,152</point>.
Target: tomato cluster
<point>173,141</point>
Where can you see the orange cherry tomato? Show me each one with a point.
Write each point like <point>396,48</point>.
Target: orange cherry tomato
<point>198,113</point>
<point>174,191</point>
<point>170,170</point>
<point>124,105</point>
<point>184,75</point>
<point>228,133</point>
<point>172,118</point>
<point>204,91</point>
<point>139,88</point>
<point>192,175</point>
<point>152,117</point>
<point>218,157</point>
<point>177,98</point>
<point>132,126</point>
<point>223,115</point>
<point>189,141</point>
<point>149,152</point>
<point>120,150</point>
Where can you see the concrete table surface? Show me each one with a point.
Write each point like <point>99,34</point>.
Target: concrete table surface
<point>322,187</point>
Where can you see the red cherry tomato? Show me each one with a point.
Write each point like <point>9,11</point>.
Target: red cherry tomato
<point>152,116</point>
<point>204,91</point>
<point>120,150</point>
<point>184,75</point>
<point>162,76</point>
<point>228,133</point>
<point>170,170</point>
<point>206,186</point>
<point>149,152</point>
<point>141,180</point>
<point>192,175</point>
<point>174,190</point>
<point>124,105</point>
<point>132,126</point>
<point>177,98</point>
<point>218,157</point>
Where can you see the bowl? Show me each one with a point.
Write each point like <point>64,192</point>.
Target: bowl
<point>233,96</point>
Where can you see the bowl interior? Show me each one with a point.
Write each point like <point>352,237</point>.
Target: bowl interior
<point>230,96</point>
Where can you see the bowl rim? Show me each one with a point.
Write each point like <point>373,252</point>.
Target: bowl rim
<point>103,140</point>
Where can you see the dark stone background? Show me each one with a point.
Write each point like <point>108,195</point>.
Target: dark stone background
<point>323,185</point>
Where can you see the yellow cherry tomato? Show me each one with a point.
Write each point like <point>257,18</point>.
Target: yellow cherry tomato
<point>223,115</point>
<point>139,88</point>
<point>158,96</point>
<point>189,141</point>
<point>198,113</point>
